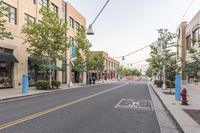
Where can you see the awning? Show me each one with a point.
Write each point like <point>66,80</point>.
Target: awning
<point>78,69</point>
<point>8,58</point>
<point>53,67</point>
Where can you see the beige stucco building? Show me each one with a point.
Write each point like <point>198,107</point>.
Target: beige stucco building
<point>74,18</point>
<point>187,32</point>
<point>19,63</point>
<point>110,70</point>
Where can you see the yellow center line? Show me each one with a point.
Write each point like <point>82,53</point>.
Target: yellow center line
<point>24,119</point>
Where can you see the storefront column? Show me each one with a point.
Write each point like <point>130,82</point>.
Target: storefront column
<point>59,73</point>
<point>84,77</point>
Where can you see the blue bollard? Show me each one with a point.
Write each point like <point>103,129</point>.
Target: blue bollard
<point>178,87</point>
<point>25,84</point>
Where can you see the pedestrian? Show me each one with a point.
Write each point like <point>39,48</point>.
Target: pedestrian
<point>93,79</point>
<point>90,80</point>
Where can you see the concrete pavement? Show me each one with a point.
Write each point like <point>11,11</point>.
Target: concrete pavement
<point>186,123</point>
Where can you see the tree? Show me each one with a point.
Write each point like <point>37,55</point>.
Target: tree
<point>46,39</point>
<point>96,62</point>
<point>149,71</point>
<point>3,14</point>
<point>136,72</point>
<point>193,67</point>
<point>120,70</point>
<point>171,69</point>
<point>83,47</point>
<point>156,61</point>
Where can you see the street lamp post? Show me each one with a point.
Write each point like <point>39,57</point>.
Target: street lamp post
<point>90,30</point>
<point>162,49</point>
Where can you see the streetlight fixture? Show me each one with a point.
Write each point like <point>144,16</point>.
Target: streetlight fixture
<point>90,30</point>
<point>123,58</point>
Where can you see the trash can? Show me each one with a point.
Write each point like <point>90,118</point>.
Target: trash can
<point>178,88</point>
<point>24,84</point>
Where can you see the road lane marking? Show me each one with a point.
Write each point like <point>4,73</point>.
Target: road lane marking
<point>135,104</point>
<point>24,119</point>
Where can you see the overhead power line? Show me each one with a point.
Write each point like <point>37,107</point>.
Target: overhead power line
<point>183,16</point>
<point>185,13</point>
<point>187,9</point>
<point>138,61</point>
<point>133,52</point>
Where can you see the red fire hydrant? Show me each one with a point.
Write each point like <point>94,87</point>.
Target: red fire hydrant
<point>184,97</point>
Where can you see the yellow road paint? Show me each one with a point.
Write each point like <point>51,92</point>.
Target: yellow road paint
<point>24,119</point>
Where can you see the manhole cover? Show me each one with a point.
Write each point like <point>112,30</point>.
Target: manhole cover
<point>135,104</point>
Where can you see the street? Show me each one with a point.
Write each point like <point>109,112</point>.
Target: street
<point>121,107</point>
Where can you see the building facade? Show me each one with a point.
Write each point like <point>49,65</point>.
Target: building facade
<point>110,70</point>
<point>187,32</point>
<point>74,19</point>
<point>14,60</point>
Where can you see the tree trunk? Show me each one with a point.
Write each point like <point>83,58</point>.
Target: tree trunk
<point>50,75</point>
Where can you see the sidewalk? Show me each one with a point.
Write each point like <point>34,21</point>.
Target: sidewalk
<point>183,115</point>
<point>12,93</point>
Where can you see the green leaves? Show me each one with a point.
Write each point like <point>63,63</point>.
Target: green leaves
<point>83,46</point>
<point>46,38</point>
<point>193,66</point>
<point>127,72</point>
<point>168,42</point>
<point>3,32</point>
<point>95,62</point>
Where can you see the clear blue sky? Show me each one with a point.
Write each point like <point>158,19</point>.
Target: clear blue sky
<point>127,25</point>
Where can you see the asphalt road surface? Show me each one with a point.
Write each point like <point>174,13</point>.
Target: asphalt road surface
<point>121,107</point>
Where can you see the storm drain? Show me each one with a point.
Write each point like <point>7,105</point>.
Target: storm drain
<point>135,104</point>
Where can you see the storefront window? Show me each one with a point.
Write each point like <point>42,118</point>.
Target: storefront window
<point>5,75</point>
<point>7,59</point>
<point>36,73</point>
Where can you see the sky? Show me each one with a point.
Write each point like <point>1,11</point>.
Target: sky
<point>128,25</point>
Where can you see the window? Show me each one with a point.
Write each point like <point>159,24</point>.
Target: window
<point>73,47</point>
<point>188,42</point>
<point>5,50</point>
<point>28,18</point>
<point>63,17</point>
<point>11,14</point>
<point>33,1</point>
<point>43,3</point>
<point>71,40</point>
<point>54,8</point>
<point>71,22</point>
<point>195,35</point>
<point>77,26</point>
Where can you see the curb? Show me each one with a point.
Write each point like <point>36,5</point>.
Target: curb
<point>46,93</point>
<point>173,118</point>
<point>33,95</point>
